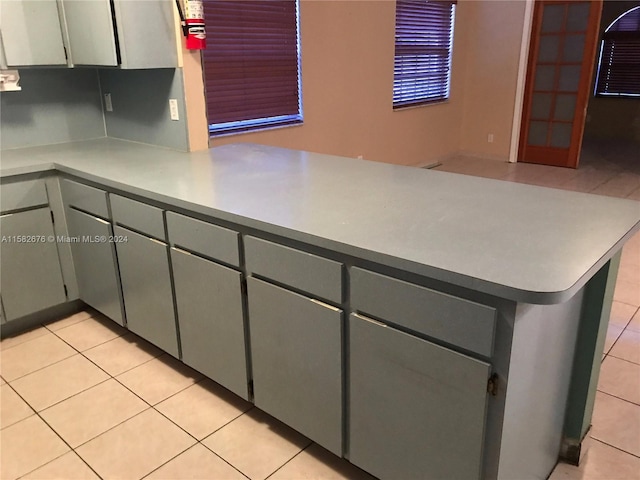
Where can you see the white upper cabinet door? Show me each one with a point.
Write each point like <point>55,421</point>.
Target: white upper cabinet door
<point>91,32</point>
<point>147,33</point>
<point>31,33</point>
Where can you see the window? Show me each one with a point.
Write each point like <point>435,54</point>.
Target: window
<point>424,41</point>
<point>251,64</point>
<point>619,65</point>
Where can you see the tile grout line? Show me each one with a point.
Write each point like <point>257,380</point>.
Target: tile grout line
<point>288,461</point>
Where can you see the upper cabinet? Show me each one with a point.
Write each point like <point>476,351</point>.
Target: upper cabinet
<point>31,33</point>
<point>110,33</point>
<point>125,33</point>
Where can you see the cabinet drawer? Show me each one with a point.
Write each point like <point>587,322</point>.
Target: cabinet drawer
<point>451,319</point>
<point>204,238</point>
<point>310,273</point>
<point>85,198</point>
<point>15,196</point>
<point>138,216</point>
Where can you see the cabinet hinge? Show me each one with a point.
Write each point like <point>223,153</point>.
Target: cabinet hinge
<point>53,219</point>
<point>492,385</point>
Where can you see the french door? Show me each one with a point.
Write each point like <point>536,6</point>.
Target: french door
<point>561,59</point>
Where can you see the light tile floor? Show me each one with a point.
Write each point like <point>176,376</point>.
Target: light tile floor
<point>83,398</point>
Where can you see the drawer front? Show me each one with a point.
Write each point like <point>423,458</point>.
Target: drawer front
<point>15,196</point>
<point>83,197</point>
<point>137,215</point>
<point>204,238</point>
<point>451,319</point>
<point>319,276</point>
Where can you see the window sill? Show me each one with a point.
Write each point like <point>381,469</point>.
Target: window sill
<point>420,105</point>
<point>213,136</point>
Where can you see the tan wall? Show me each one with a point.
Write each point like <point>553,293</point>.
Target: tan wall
<point>347,80</point>
<point>613,118</point>
<point>491,75</point>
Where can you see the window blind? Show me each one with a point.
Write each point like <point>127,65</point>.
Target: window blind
<point>251,64</point>
<point>424,39</point>
<point>619,66</point>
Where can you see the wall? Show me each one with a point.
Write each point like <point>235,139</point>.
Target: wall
<point>492,58</point>
<point>54,106</point>
<point>347,81</point>
<point>140,101</point>
<point>613,118</point>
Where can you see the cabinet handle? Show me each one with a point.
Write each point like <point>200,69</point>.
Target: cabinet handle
<point>157,241</point>
<point>104,222</point>
<point>370,320</point>
<point>331,307</point>
<point>180,250</point>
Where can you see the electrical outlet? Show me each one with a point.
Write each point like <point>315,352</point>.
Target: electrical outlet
<point>108,106</point>
<point>490,138</point>
<point>360,157</point>
<point>173,109</point>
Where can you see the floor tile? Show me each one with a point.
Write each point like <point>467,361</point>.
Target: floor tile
<point>92,412</point>
<point>634,324</point>
<point>27,445</point>
<point>33,355</point>
<point>627,292</point>
<point>621,313</point>
<point>617,423</point>
<point>635,195</point>
<point>256,444</point>
<point>197,463</point>
<point>627,347</point>
<point>22,337</point>
<point>2,382</point>
<point>620,379</point>
<point>57,382</point>
<point>620,185</point>
<point>613,333</point>
<point>203,408</point>
<point>12,407</point>
<point>68,467</point>
<point>629,273</point>
<point>159,378</point>
<point>90,332</point>
<point>68,321</point>
<point>317,463</point>
<point>136,447</point>
<point>122,353</point>
<point>601,462</point>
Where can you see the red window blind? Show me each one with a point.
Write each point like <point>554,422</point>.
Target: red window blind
<point>619,66</point>
<point>251,64</point>
<point>424,40</point>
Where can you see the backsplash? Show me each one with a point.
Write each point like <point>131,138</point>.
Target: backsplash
<point>54,106</point>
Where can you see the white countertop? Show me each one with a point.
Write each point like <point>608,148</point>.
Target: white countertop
<point>520,242</point>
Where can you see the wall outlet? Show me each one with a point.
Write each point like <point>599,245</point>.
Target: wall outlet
<point>490,138</point>
<point>359,157</point>
<point>173,109</point>
<point>108,106</point>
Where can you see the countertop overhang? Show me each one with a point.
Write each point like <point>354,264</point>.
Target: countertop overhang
<point>520,242</point>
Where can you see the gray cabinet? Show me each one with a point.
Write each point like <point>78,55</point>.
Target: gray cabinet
<point>95,263</point>
<point>146,288</point>
<point>416,409</point>
<point>31,278</point>
<point>31,33</point>
<point>210,316</point>
<point>296,351</point>
<point>129,33</point>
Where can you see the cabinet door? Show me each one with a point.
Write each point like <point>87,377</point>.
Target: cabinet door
<point>146,289</point>
<point>31,278</point>
<point>296,352</point>
<point>209,303</point>
<point>31,33</point>
<point>416,410</point>
<point>90,30</point>
<point>95,263</point>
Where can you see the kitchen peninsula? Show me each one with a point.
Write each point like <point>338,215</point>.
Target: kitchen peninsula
<point>421,324</point>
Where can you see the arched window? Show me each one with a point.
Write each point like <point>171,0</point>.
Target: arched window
<point>619,65</point>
